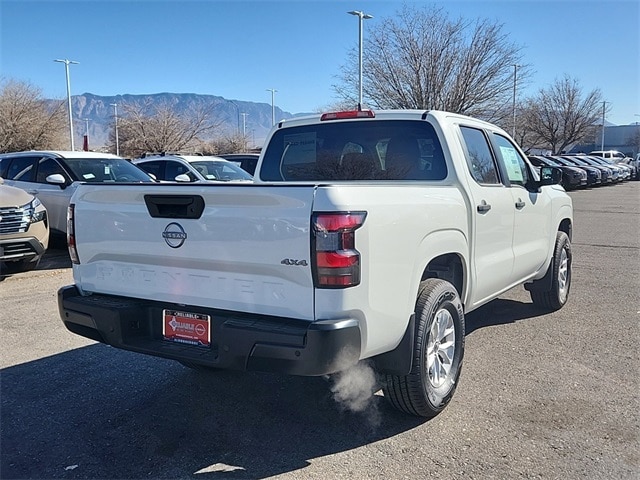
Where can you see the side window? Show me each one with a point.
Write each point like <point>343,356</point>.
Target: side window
<point>514,164</point>
<point>4,165</point>
<point>154,168</point>
<point>479,158</point>
<point>173,169</point>
<point>22,169</point>
<point>48,166</point>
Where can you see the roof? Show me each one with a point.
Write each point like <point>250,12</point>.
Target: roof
<point>65,153</point>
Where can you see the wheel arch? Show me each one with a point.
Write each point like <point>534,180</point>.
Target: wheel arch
<point>566,226</point>
<point>443,255</point>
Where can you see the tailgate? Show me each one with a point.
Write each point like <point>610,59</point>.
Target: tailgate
<point>219,246</point>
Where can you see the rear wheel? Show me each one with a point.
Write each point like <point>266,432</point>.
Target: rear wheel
<point>437,353</point>
<point>558,294</point>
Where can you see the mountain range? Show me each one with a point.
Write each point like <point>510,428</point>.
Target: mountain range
<point>95,114</point>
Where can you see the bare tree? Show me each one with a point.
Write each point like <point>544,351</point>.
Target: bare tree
<point>561,115</point>
<point>27,121</point>
<point>420,58</point>
<point>633,140</point>
<point>147,128</point>
<point>525,136</point>
<point>235,143</point>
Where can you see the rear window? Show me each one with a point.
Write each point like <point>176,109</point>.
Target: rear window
<point>358,150</point>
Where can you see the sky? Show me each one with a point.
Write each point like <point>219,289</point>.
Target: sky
<point>240,49</point>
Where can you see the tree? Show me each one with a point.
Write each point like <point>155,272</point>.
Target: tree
<point>420,58</point>
<point>27,121</point>
<point>147,128</point>
<point>633,140</point>
<point>525,136</point>
<point>235,143</point>
<point>560,115</point>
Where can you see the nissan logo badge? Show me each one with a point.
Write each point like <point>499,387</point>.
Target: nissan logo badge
<point>174,235</point>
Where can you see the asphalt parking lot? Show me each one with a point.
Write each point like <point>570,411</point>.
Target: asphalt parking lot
<point>541,395</point>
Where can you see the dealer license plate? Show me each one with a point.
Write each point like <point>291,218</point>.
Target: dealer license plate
<point>186,327</point>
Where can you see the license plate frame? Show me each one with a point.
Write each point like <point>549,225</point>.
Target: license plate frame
<point>187,328</point>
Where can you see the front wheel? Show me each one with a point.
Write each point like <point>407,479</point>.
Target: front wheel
<point>557,295</point>
<point>437,353</point>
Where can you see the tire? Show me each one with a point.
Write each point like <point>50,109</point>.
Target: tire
<point>437,353</point>
<point>555,298</point>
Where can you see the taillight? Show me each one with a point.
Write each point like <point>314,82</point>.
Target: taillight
<point>71,234</point>
<point>347,114</point>
<point>336,262</point>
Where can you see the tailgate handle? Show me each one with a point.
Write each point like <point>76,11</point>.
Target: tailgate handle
<point>174,206</point>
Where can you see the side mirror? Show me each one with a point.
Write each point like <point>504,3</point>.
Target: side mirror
<point>550,176</point>
<point>57,179</point>
<point>183,177</point>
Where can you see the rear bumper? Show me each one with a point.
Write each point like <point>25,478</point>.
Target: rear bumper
<point>240,341</point>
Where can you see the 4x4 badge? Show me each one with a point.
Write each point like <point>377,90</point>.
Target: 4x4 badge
<point>293,261</point>
<point>174,235</point>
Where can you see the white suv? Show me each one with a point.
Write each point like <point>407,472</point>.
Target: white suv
<point>620,159</point>
<point>192,168</point>
<point>53,176</point>
<point>613,155</point>
<point>24,230</point>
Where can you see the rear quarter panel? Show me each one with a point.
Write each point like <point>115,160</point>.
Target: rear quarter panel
<point>406,226</point>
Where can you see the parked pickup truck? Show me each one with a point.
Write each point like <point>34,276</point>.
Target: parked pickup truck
<point>365,236</point>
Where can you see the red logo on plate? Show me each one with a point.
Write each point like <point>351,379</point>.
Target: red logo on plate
<point>184,327</point>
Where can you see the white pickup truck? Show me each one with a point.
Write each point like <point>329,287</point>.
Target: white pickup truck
<point>365,235</point>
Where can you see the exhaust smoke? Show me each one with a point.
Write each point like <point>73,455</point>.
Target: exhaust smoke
<point>354,388</point>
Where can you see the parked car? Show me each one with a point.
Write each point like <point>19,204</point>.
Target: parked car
<point>636,163</point>
<point>572,177</point>
<point>608,154</point>
<point>633,164</point>
<point>53,177</point>
<point>623,171</point>
<point>626,172</point>
<point>24,230</point>
<point>192,168</point>
<point>246,161</point>
<point>595,176</point>
<point>609,175</point>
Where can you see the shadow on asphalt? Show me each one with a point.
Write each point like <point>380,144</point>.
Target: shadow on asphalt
<point>56,257</point>
<point>95,412</point>
<point>501,312</point>
<point>98,412</point>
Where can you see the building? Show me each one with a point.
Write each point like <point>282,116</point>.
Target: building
<point>625,138</point>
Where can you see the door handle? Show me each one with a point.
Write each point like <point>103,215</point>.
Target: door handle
<point>520,204</point>
<point>484,207</point>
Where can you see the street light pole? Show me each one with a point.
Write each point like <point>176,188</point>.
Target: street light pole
<point>244,124</point>
<point>85,142</point>
<point>361,16</point>
<point>115,116</point>
<point>237,117</point>
<point>603,112</point>
<point>66,68</point>
<point>515,78</point>
<point>273,111</point>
